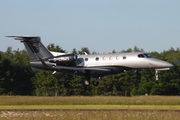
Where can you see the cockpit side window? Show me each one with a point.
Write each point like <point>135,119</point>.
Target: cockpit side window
<point>148,56</point>
<point>144,55</point>
<point>141,56</point>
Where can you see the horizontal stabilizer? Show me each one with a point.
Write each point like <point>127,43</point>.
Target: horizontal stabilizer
<point>26,38</point>
<point>23,36</point>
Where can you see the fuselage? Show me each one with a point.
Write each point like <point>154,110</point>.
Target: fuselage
<point>120,62</point>
<point>136,60</point>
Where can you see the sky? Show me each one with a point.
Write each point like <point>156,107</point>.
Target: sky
<point>100,25</point>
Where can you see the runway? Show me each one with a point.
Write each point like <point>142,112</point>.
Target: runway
<point>87,110</point>
<point>89,114</point>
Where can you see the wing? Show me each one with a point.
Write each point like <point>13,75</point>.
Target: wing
<point>82,68</point>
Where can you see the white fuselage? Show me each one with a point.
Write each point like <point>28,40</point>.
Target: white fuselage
<point>94,65</point>
<point>131,60</point>
<point>136,60</point>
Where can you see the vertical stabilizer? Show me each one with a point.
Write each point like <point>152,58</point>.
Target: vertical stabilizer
<point>36,50</point>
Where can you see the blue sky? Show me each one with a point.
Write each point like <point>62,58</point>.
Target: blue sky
<point>100,25</point>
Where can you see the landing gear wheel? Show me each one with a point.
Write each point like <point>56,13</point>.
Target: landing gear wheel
<point>96,81</point>
<point>86,82</point>
<point>87,78</point>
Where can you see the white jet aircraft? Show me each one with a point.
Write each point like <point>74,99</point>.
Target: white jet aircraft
<point>95,65</point>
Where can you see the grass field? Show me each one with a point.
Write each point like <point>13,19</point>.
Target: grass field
<point>90,108</point>
<point>95,100</point>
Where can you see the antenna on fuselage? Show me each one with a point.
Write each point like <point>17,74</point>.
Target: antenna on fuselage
<point>85,53</point>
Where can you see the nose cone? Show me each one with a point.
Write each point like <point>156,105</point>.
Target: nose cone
<point>156,63</point>
<point>164,64</point>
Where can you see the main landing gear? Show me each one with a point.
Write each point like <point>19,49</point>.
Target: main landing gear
<point>95,82</point>
<point>88,78</point>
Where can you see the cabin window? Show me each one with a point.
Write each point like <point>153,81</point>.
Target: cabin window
<point>86,59</point>
<point>104,58</point>
<point>117,57</point>
<point>124,57</point>
<point>110,58</point>
<point>97,58</point>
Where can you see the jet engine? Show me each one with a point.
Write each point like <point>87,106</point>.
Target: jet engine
<point>68,59</point>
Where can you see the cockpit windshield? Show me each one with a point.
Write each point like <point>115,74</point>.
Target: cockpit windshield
<point>145,55</point>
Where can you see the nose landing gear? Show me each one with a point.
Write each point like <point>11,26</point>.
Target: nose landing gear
<point>158,70</point>
<point>156,74</point>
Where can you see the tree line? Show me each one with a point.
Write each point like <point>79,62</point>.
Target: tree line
<point>17,78</point>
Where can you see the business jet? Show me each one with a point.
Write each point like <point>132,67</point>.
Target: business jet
<point>88,66</point>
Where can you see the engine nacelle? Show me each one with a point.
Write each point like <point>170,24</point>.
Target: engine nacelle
<point>68,59</point>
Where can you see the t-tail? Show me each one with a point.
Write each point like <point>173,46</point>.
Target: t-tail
<point>36,50</point>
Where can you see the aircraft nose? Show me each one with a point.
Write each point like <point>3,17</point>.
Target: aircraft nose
<point>166,64</point>
<point>156,63</point>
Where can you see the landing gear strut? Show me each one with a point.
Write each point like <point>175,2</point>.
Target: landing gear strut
<point>156,74</point>
<point>96,81</point>
<point>87,78</point>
